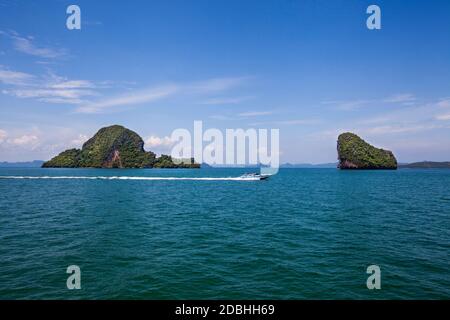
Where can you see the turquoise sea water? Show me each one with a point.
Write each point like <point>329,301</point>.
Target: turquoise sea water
<point>303,234</point>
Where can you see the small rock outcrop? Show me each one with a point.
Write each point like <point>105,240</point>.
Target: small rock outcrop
<point>355,153</point>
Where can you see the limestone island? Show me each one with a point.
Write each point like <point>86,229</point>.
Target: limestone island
<point>355,153</point>
<point>115,147</point>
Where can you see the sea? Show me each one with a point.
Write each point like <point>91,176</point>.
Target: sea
<point>208,234</point>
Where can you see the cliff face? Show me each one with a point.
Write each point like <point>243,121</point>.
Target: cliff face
<point>113,147</point>
<point>355,153</point>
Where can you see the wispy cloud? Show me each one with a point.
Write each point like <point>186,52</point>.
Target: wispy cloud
<point>28,46</point>
<point>348,105</point>
<point>55,89</point>
<point>91,23</point>
<point>298,122</point>
<point>73,84</point>
<point>376,131</point>
<point>157,93</point>
<point>400,98</point>
<point>443,117</point>
<point>49,88</point>
<point>215,84</point>
<point>288,122</point>
<point>3,135</point>
<point>255,113</point>
<point>241,116</point>
<point>149,95</point>
<point>70,96</point>
<point>444,103</point>
<point>393,129</point>
<point>225,100</point>
<point>220,117</point>
<point>14,77</point>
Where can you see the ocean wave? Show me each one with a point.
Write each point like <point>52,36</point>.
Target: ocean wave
<point>133,178</point>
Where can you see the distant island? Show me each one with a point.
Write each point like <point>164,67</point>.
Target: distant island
<point>426,165</point>
<point>355,153</point>
<point>115,147</point>
<point>118,147</point>
<point>25,164</point>
<point>308,165</point>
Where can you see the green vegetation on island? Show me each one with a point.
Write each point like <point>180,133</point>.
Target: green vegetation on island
<point>355,153</point>
<point>115,147</point>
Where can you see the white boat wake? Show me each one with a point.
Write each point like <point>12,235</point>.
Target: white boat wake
<point>132,178</point>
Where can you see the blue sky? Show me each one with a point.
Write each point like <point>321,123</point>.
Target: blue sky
<point>310,68</point>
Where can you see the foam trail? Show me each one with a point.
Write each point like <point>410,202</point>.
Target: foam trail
<point>132,178</point>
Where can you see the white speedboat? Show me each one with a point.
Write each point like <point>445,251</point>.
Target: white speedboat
<point>255,176</point>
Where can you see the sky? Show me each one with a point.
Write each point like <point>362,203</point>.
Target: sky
<point>311,69</point>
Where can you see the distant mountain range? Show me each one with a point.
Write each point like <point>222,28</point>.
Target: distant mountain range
<point>28,164</point>
<point>426,165</point>
<point>284,165</point>
<point>309,165</point>
<point>418,165</point>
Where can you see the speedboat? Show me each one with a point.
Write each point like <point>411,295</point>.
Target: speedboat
<point>255,176</point>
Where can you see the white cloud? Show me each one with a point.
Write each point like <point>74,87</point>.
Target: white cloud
<point>443,117</point>
<point>12,140</point>
<point>26,45</point>
<point>61,90</point>
<point>220,117</point>
<point>444,103</point>
<point>73,101</point>
<point>78,142</point>
<point>159,145</point>
<point>225,100</point>
<point>161,92</point>
<point>255,113</point>
<point>401,98</point>
<point>348,105</point>
<point>25,140</point>
<point>298,122</point>
<point>392,129</point>
<point>377,130</point>
<point>13,77</point>
<point>216,84</point>
<point>48,93</point>
<point>3,135</point>
<point>73,84</point>
<point>50,88</point>
<point>143,96</point>
<point>241,115</point>
<point>91,23</point>
<point>155,141</point>
<point>288,122</point>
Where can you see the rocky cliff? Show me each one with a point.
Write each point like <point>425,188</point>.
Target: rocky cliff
<point>355,153</point>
